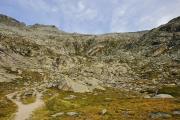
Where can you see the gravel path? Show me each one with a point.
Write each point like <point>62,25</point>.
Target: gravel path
<point>25,111</point>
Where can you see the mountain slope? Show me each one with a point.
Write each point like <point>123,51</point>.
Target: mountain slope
<point>43,56</point>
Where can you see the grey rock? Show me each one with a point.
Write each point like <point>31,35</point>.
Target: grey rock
<point>176,112</point>
<point>29,93</point>
<point>26,84</point>
<point>13,69</point>
<point>108,99</point>
<point>19,72</point>
<point>163,96</point>
<point>72,113</point>
<point>147,96</point>
<point>157,115</point>
<point>70,97</point>
<point>95,94</point>
<point>104,111</point>
<point>58,114</point>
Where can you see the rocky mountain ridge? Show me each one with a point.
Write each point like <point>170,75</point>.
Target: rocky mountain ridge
<point>43,56</point>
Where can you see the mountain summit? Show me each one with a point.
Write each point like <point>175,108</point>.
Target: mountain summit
<point>10,21</point>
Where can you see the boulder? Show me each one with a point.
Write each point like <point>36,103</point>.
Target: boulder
<point>58,114</point>
<point>163,96</point>
<point>176,112</point>
<point>72,113</point>
<point>159,115</point>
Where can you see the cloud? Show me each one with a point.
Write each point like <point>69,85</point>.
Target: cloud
<point>78,11</point>
<point>142,15</point>
<point>81,6</point>
<point>93,16</point>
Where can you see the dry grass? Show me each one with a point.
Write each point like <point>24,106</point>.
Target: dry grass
<point>121,106</point>
<point>7,108</point>
<point>28,99</point>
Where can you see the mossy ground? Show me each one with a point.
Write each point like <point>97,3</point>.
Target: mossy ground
<point>120,105</point>
<point>28,99</point>
<point>174,91</point>
<point>7,108</point>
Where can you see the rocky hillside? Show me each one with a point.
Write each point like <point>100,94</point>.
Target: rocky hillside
<point>161,46</point>
<point>44,56</point>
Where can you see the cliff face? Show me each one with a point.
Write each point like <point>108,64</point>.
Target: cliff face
<point>43,56</point>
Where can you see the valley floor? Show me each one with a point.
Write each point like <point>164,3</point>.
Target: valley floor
<point>110,104</point>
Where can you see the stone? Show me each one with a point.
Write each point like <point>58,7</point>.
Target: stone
<point>147,96</point>
<point>159,115</point>
<point>26,84</point>
<point>13,69</point>
<point>176,112</point>
<point>51,85</point>
<point>72,113</point>
<point>108,99</point>
<point>28,93</point>
<point>104,111</point>
<point>70,97</point>
<point>19,72</point>
<point>128,113</point>
<point>58,114</point>
<point>163,96</point>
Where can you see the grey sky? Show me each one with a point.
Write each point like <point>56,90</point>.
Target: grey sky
<point>93,16</point>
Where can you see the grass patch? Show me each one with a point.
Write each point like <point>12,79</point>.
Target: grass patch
<point>120,105</point>
<point>7,108</point>
<point>174,91</point>
<point>28,99</point>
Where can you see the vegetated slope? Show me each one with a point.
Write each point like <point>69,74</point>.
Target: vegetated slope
<point>43,56</point>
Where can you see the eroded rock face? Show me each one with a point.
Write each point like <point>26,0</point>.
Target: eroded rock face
<point>81,63</point>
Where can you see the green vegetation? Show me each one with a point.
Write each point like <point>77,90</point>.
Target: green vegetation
<point>7,108</point>
<point>120,105</point>
<point>174,91</point>
<point>28,99</point>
